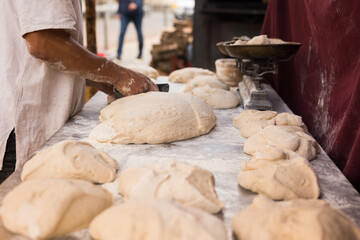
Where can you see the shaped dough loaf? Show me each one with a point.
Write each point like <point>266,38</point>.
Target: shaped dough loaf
<point>181,182</point>
<point>296,219</point>
<point>46,208</point>
<point>154,117</point>
<point>186,74</point>
<point>217,98</point>
<point>252,121</point>
<point>279,175</point>
<point>285,138</point>
<point>156,220</point>
<point>204,80</point>
<point>71,159</point>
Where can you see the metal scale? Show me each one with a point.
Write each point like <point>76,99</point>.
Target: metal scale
<point>254,61</point>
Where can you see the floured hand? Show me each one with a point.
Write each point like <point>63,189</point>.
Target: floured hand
<point>131,83</point>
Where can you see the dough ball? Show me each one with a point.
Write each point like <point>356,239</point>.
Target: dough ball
<point>217,98</point>
<point>239,42</point>
<point>203,80</point>
<point>288,119</point>
<point>4,234</point>
<point>154,117</point>
<point>272,153</point>
<point>290,128</point>
<point>285,138</point>
<point>296,219</point>
<point>156,220</point>
<point>71,159</point>
<point>279,178</point>
<point>177,181</point>
<point>148,71</point>
<point>186,74</point>
<point>252,121</point>
<point>308,147</point>
<point>46,208</point>
<point>258,40</point>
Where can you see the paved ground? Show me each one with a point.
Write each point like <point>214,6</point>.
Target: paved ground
<point>153,23</point>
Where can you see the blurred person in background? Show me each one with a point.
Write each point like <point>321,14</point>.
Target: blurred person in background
<point>130,11</point>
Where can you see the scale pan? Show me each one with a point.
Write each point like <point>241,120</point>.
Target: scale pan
<point>221,47</point>
<point>275,52</point>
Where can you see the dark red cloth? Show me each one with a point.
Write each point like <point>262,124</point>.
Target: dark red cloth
<point>322,82</point>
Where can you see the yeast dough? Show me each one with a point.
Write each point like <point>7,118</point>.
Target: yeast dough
<point>279,175</point>
<point>285,138</point>
<point>177,181</point>
<point>251,121</point>
<point>204,80</point>
<point>156,220</point>
<point>217,98</point>
<point>296,219</point>
<point>186,74</point>
<point>46,208</point>
<point>71,159</point>
<point>154,117</point>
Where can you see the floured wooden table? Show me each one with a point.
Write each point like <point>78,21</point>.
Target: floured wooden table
<point>220,151</point>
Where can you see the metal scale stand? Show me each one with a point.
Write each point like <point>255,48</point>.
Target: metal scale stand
<point>254,61</point>
<point>252,92</point>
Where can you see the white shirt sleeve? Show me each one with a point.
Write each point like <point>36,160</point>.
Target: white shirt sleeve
<point>35,15</point>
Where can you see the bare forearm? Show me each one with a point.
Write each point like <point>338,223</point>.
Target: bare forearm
<point>62,52</point>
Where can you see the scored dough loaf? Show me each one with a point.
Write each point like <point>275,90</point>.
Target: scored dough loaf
<point>217,98</point>
<point>279,175</point>
<point>204,80</point>
<point>156,220</point>
<point>297,219</point>
<point>186,74</point>
<point>71,159</point>
<point>177,181</point>
<point>154,117</point>
<point>285,138</point>
<point>46,208</point>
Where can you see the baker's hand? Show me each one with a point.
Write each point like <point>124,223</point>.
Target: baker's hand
<point>131,83</point>
<point>132,6</point>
